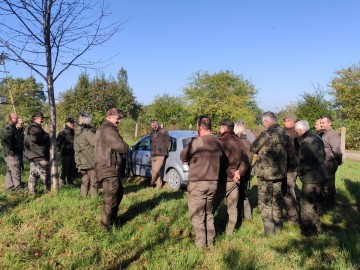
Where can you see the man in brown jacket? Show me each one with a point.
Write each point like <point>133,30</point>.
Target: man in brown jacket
<point>333,158</point>
<point>159,147</point>
<point>238,163</point>
<point>109,147</point>
<point>204,155</point>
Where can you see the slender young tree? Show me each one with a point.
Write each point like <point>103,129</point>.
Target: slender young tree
<point>49,36</point>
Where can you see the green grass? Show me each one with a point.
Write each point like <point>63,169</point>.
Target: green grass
<point>61,231</point>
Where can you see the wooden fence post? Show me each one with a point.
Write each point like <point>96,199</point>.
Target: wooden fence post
<point>136,129</point>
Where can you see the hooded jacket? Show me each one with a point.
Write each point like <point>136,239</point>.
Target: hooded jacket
<point>84,146</point>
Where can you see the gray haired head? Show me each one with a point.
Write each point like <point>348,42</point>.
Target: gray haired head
<point>84,119</point>
<point>302,125</point>
<point>270,116</point>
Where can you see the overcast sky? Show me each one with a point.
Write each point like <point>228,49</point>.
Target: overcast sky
<point>284,47</point>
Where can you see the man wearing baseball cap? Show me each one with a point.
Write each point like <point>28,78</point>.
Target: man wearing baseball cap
<point>109,148</point>
<point>238,163</point>
<point>37,151</point>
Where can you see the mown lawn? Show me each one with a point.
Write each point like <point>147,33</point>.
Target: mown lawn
<point>61,231</point>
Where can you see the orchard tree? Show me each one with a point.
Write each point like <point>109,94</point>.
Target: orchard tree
<point>313,105</point>
<point>126,100</point>
<point>345,88</point>
<point>49,36</point>
<point>221,95</point>
<point>169,110</point>
<point>96,96</point>
<point>27,94</point>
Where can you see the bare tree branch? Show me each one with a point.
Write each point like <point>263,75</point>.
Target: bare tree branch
<point>49,36</point>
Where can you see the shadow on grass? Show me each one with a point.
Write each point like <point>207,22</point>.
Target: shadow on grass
<point>354,189</point>
<point>341,228</point>
<point>148,205</point>
<point>221,217</point>
<point>134,184</point>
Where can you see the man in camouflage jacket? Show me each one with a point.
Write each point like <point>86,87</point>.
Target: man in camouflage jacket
<point>270,168</point>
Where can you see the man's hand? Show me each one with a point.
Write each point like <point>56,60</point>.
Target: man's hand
<point>237,177</point>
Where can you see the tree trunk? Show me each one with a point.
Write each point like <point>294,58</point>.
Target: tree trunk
<point>53,160</point>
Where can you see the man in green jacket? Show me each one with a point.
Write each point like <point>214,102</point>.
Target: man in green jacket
<point>109,148</point>
<point>12,147</point>
<point>270,168</point>
<point>311,171</point>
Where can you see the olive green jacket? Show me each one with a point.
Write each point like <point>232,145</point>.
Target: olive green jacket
<point>311,167</point>
<point>10,140</point>
<point>84,146</point>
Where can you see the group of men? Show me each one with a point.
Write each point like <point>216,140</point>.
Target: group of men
<point>218,165</point>
<point>34,145</point>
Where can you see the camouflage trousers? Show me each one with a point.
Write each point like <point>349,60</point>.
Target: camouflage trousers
<point>310,197</point>
<point>13,172</point>
<point>270,199</point>
<point>39,169</point>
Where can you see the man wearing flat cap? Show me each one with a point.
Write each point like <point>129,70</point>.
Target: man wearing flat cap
<point>289,186</point>
<point>238,163</point>
<point>37,151</point>
<point>109,148</point>
<point>65,145</point>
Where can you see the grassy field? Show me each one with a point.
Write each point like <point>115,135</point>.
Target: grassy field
<point>61,231</point>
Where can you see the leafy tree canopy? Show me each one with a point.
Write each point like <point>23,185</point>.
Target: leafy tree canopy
<point>168,110</point>
<point>28,96</point>
<point>345,88</point>
<point>221,95</point>
<point>313,105</point>
<point>96,96</point>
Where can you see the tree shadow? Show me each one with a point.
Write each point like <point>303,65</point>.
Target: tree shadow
<point>221,219</point>
<point>252,195</point>
<point>341,228</point>
<point>142,207</point>
<point>354,189</point>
